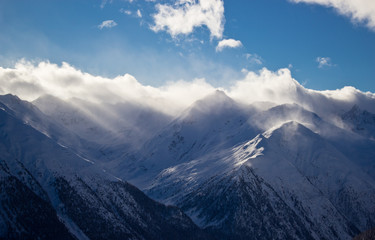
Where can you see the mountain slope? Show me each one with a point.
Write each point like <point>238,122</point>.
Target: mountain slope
<point>287,174</point>
<point>208,126</point>
<point>73,194</point>
<point>274,177</point>
<point>260,171</point>
<point>24,215</point>
<point>360,121</point>
<point>115,128</point>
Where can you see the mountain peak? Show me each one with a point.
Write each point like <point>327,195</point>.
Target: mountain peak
<point>216,99</point>
<point>47,99</point>
<point>218,96</point>
<point>220,93</point>
<point>9,98</point>
<point>360,121</point>
<point>352,113</point>
<point>216,103</point>
<point>288,128</point>
<point>16,104</point>
<point>356,114</point>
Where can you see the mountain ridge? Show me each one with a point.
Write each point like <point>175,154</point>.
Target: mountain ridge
<point>76,193</point>
<point>237,171</point>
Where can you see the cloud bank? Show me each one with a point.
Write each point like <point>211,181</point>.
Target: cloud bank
<point>228,43</point>
<point>359,11</point>
<point>30,81</point>
<point>185,15</point>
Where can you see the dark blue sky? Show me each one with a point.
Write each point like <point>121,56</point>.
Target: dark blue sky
<point>273,34</point>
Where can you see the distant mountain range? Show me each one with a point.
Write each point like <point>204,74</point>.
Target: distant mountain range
<point>219,170</point>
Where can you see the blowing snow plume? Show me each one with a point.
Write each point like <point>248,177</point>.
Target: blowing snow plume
<point>30,81</point>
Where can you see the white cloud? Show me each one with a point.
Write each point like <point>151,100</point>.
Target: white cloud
<point>139,14</point>
<point>324,62</point>
<point>104,2</point>
<point>30,81</point>
<point>360,11</point>
<point>186,15</point>
<point>107,24</point>
<point>280,87</point>
<point>124,11</point>
<point>267,86</point>
<point>254,58</point>
<point>228,43</point>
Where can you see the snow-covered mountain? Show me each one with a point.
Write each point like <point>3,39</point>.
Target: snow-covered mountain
<point>209,125</point>
<point>47,191</point>
<point>360,121</point>
<point>259,171</point>
<point>243,172</point>
<point>109,130</point>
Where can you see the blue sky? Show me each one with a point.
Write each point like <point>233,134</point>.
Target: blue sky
<point>327,45</point>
